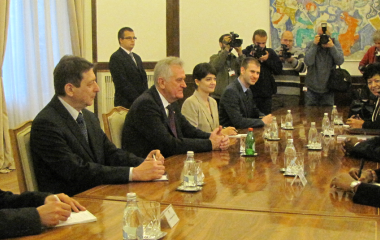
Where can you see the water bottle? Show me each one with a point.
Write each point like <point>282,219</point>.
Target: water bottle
<point>189,171</point>
<point>326,124</point>
<point>250,148</point>
<point>334,115</point>
<point>132,220</point>
<point>290,158</point>
<point>289,120</point>
<point>274,129</point>
<point>313,136</point>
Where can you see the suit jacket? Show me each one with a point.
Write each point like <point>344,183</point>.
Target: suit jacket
<point>238,110</point>
<point>369,149</point>
<point>368,194</point>
<point>198,114</point>
<point>374,123</point>
<point>130,80</point>
<point>65,162</point>
<point>147,127</point>
<point>18,214</point>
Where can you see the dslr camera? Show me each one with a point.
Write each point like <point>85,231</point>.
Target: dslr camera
<point>285,52</point>
<point>235,40</point>
<point>324,38</point>
<point>258,52</point>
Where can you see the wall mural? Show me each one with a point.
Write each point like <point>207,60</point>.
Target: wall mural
<point>353,21</point>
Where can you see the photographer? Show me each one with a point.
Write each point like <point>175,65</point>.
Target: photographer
<point>227,65</point>
<point>270,64</point>
<point>288,82</point>
<point>322,55</point>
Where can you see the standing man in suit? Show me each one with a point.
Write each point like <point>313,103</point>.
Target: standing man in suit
<point>128,74</point>
<point>237,107</point>
<point>270,64</point>
<point>70,151</point>
<point>155,121</point>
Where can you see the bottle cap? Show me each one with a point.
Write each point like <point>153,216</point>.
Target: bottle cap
<point>289,111</point>
<point>131,195</point>
<point>326,114</point>
<point>191,153</point>
<point>312,123</point>
<point>250,129</point>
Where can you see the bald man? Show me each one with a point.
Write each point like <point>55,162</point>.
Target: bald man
<point>288,82</point>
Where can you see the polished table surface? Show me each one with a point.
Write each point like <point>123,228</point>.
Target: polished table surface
<point>256,183</point>
<point>208,223</point>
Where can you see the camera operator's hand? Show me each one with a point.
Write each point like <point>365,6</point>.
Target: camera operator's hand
<point>289,60</point>
<point>329,44</point>
<point>264,57</point>
<point>316,39</point>
<point>239,50</point>
<point>226,47</point>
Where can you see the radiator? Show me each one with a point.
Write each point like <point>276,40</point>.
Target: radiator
<point>107,91</point>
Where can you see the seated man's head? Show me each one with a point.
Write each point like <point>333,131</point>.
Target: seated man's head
<point>204,76</point>
<point>75,81</point>
<point>169,78</point>
<point>126,38</point>
<point>372,76</point>
<point>250,71</point>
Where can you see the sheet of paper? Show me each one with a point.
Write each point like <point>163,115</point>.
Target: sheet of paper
<point>163,178</point>
<point>170,216</point>
<point>80,217</point>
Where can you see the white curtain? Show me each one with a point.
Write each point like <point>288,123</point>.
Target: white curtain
<point>38,36</point>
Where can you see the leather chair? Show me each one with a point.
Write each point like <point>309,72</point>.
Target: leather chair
<point>113,124</point>
<point>20,139</point>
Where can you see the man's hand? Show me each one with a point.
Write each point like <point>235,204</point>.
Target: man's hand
<point>75,206</point>
<point>218,140</point>
<point>349,144</point>
<point>229,131</point>
<point>157,154</point>
<point>53,211</point>
<point>239,50</point>
<point>267,119</point>
<point>316,39</point>
<point>149,169</point>
<point>367,176</point>
<point>355,122</point>
<point>264,57</point>
<point>342,181</point>
<point>329,44</point>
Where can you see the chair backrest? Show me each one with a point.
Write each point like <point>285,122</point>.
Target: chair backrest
<point>113,124</point>
<point>20,139</point>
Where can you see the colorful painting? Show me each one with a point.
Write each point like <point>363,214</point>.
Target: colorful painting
<point>353,22</point>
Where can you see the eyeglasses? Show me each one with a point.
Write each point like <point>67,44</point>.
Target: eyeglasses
<point>130,38</point>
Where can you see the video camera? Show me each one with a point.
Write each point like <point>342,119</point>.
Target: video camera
<point>235,40</point>
<point>258,52</point>
<point>285,52</point>
<point>324,38</point>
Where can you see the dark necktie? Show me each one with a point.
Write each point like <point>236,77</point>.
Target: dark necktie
<point>133,58</point>
<point>82,126</point>
<point>172,120</point>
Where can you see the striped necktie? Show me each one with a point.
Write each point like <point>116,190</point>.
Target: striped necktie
<point>133,58</point>
<point>82,126</point>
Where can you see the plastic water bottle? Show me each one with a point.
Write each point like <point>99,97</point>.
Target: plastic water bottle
<point>190,171</point>
<point>334,115</point>
<point>313,136</point>
<point>326,124</point>
<point>290,158</point>
<point>132,220</point>
<point>274,129</point>
<point>289,120</point>
<point>250,148</point>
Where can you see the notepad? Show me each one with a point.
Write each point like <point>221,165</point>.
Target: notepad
<point>79,217</point>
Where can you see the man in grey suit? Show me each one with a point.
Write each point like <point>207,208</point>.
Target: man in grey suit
<point>70,151</point>
<point>237,107</point>
<point>128,74</point>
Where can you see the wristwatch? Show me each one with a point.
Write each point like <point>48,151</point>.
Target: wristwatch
<point>354,184</point>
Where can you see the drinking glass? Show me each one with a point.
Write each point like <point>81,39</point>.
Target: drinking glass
<point>200,175</point>
<point>150,211</point>
<point>242,143</point>
<point>283,121</point>
<point>273,151</point>
<point>300,162</point>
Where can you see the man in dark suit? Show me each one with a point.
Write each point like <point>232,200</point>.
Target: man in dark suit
<point>237,107</point>
<point>155,121</point>
<point>27,213</point>
<point>127,71</point>
<point>70,151</point>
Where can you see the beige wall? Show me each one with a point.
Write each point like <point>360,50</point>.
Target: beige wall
<point>201,24</point>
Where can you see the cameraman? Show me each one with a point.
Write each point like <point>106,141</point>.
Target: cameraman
<point>265,87</point>
<point>288,82</point>
<point>322,55</point>
<point>227,65</point>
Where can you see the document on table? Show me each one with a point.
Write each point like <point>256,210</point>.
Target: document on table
<point>79,217</point>
<point>163,178</point>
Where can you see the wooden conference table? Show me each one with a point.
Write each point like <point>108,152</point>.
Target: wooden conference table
<point>245,197</point>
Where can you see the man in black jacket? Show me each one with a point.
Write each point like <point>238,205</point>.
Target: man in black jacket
<point>27,213</point>
<point>270,64</point>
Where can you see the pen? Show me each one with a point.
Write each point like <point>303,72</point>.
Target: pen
<point>56,197</point>
<point>361,168</point>
<point>154,157</point>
